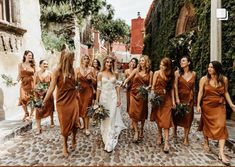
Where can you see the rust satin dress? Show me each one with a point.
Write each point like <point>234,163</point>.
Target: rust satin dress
<point>162,114</point>
<point>185,91</point>
<point>128,90</point>
<point>26,87</point>
<point>85,96</point>
<point>213,118</point>
<point>67,104</point>
<point>138,110</point>
<point>49,107</point>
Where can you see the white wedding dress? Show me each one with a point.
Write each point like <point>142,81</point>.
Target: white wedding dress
<point>112,126</point>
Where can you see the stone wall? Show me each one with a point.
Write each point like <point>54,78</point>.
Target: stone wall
<point>24,33</point>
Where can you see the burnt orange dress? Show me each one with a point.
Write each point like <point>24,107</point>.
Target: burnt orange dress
<point>213,118</point>
<point>26,87</point>
<point>162,114</point>
<point>138,110</point>
<point>49,107</point>
<point>185,91</point>
<point>85,96</point>
<point>128,90</point>
<point>67,104</point>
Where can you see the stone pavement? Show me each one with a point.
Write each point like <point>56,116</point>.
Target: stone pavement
<point>46,149</point>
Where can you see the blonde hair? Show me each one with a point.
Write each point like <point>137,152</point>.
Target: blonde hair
<point>83,57</point>
<point>104,61</point>
<point>147,63</point>
<point>66,64</point>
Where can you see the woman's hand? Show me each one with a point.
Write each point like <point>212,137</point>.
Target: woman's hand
<point>233,107</point>
<point>177,101</point>
<point>199,109</point>
<point>173,105</point>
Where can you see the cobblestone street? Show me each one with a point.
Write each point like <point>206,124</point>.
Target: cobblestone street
<point>46,149</point>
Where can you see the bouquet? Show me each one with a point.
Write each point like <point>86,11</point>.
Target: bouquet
<point>97,113</point>
<point>35,102</point>
<point>78,86</point>
<point>41,87</point>
<point>143,92</point>
<point>156,100</point>
<point>8,81</point>
<point>180,111</point>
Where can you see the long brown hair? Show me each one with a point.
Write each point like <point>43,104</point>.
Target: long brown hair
<point>217,66</point>
<point>169,72</point>
<point>112,61</point>
<point>147,63</point>
<point>32,63</point>
<point>84,57</point>
<point>66,64</point>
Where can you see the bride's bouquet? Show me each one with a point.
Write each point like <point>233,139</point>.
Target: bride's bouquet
<point>78,86</point>
<point>180,111</point>
<point>143,91</point>
<point>98,113</point>
<point>8,80</point>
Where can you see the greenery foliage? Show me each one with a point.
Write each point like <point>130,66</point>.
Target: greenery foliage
<point>161,41</point>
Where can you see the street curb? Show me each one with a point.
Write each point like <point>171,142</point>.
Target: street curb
<point>17,131</point>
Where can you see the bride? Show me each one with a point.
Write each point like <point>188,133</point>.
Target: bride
<point>108,95</point>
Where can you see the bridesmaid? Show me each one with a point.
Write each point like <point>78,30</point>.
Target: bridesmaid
<point>184,92</point>
<point>96,65</point>
<point>26,71</point>
<point>163,86</point>
<point>86,76</point>
<point>212,97</point>
<point>44,76</point>
<point>132,65</point>
<point>138,110</point>
<point>66,98</point>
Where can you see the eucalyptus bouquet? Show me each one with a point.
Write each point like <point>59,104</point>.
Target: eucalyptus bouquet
<point>78,86</point>
<point>35,102</point>
<point>7,80</point>
<point>42,87</point>
<point>97,113</point>
<point>156,100</point>
<point>143,91</point>
<point>180,111</point>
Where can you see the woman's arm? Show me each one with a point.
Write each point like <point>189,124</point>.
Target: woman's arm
<point>200,93</point>
<point>151,80</point>
<point>118,93</point>
<point>52,86</point>
<point>176,87</point>
<point>227,96</point>
<point>131,76</point>
<point>154,79</point>
<point>99,85</point>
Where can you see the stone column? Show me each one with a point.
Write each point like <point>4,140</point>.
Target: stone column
<point>216,32</point>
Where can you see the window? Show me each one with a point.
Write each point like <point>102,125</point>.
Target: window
<point>5,10</point>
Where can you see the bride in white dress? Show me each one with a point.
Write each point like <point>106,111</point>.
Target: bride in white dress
<point>108,95</point>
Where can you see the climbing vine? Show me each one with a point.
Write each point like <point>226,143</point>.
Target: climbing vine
<point>160,39</point>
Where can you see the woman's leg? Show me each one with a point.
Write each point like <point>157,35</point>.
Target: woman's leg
<point>222,156</point>
<point>65,146</point>
<point>142,129</point>
<point>39,130</point>
<point>26,113</point>
<point>159,136</point>
<point>86,122</point>
<point>186,133</point>
<point>166,145</point>
<point>136,135</point>
<point>74,141</point>
<point>52,120</point>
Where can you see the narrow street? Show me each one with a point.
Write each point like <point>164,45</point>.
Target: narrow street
<point>46,149</point>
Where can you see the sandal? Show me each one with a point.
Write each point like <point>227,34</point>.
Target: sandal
<point>227,162</point>
<point>87,132</point>
<point>166,147</point>
<point>39,131</point>
<point>135,139</point>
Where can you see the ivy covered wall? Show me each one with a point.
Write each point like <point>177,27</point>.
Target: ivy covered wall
<point>160,39</point>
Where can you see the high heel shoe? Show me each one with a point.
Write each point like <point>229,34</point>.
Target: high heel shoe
<point>227,163</point>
